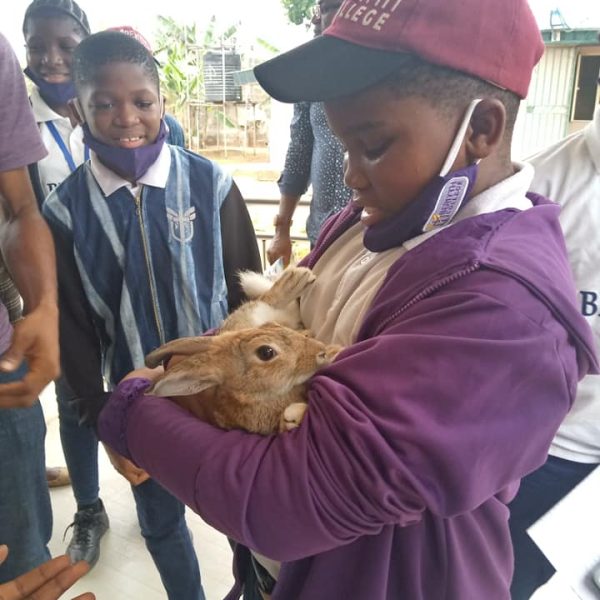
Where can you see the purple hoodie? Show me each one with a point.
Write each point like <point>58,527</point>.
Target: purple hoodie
<point>396,483</point>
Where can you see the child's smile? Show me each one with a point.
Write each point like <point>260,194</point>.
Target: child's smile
<point>131,141</point>
<point>55,76</point>
<point>122,106</point>
<point>50,45</point>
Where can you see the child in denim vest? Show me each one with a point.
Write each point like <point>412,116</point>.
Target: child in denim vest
<point>150,238</point>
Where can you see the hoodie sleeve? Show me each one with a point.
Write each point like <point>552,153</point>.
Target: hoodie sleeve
<point>431,412</point>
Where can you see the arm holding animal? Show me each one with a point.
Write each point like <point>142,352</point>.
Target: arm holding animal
<point>373,449</point>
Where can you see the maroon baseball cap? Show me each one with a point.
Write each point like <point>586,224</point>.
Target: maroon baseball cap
<point>495,40</point>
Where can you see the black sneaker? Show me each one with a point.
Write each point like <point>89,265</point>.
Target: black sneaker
<point>89,525</point>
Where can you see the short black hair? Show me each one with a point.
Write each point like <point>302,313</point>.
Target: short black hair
<point>57,9</point>
<point>449,90</point>
<point>108,47</point>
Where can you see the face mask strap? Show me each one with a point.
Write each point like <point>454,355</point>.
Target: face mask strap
<point>458,138</point>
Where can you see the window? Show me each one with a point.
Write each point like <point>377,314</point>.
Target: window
<point>586,91</point>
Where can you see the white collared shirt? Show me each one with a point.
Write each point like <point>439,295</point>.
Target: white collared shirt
<point>54,169</point>
<point>156,176</point>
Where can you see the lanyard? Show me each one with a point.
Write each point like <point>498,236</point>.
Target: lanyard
<point>61,144</point>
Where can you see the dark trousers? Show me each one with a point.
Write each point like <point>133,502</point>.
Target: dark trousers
<point>80,447</point>
<point>538,493</point>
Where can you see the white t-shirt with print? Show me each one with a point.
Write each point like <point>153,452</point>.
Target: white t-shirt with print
<point>569,173</point>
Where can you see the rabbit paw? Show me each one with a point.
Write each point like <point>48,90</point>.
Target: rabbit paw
<point>292,416</point>
<point>290,285</point>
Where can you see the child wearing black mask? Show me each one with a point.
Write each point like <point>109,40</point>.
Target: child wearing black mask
<point>149,240</point>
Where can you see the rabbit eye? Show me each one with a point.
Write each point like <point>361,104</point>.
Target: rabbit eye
<point>266,353</point>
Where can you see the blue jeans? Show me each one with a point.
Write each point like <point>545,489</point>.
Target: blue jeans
<point>162,521</point>
<point>25,510</point>
<point>161,515</point>
<point>80,447</point>
<point>538,493</point>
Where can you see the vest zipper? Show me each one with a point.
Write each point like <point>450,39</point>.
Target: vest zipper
<point>153,293</point>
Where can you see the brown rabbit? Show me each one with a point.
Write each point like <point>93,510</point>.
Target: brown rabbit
<point>249,379</point>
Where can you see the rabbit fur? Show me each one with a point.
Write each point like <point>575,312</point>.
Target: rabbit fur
<point>251,375</point>
<point>275,302</point>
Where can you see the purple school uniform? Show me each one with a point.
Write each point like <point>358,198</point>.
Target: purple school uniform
<point>395,485</point>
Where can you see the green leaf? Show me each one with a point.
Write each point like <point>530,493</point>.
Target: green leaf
<point>299,11</point>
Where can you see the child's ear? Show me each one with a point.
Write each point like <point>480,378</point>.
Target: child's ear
<point>75,111</point>
<point>487,128</point>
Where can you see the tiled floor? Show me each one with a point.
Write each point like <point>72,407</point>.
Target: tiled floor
<point>125,570</point>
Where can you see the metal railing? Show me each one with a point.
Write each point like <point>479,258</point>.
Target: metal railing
<point>263,237</point>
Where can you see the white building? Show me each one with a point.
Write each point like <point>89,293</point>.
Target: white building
<point>564,90</point>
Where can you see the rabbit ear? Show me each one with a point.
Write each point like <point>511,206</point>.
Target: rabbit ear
<point>186,346</point>
<point>192,375</point>
<point>181,383</point>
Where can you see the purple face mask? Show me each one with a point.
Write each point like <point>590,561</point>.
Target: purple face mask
<point>54,94</point>
<point>435,206</point>
<point>130,163</point>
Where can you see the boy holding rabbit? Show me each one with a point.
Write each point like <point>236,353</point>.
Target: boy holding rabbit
<point>450,287</point>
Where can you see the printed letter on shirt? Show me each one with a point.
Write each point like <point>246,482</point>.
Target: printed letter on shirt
<point>589,303</point>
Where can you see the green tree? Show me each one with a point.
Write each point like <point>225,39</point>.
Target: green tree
<point>181,72</point>
<point>299,11</point>
<point>180,50</point>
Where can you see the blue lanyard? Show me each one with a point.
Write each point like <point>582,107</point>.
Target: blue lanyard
<point>61,144</point>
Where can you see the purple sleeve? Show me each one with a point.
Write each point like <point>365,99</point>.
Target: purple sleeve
<point>379,444</point>
<point>20,142</point>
